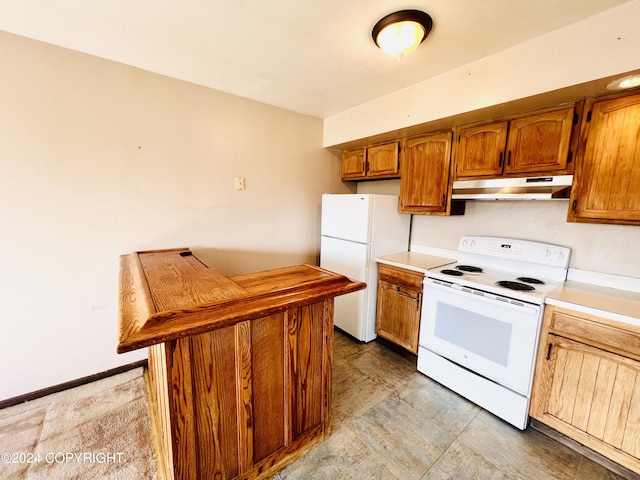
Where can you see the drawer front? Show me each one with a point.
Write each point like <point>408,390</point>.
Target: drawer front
<point>400,276</point>
<point>598,334</point>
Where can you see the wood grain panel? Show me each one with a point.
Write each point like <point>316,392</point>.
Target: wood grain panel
<point>602,394</point>
<point>619,407</point>
<point>327,368</point>
<point>244,394</point>
<point>559,362</point>
<point>214,391</point>
<point>136,304</point>
<point>307,374</point>
<point>159,407</point>
<point>585,391</point>
<point>631,440</point>
<point>179,372</point>
<point>268,353</point>
<point>178,282</point>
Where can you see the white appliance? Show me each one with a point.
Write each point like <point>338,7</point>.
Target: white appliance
<point>355,230</point>
<point>481,319</point>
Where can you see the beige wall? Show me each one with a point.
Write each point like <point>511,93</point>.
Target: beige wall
<point>99,159</point>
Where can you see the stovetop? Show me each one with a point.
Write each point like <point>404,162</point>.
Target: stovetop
<point>487,281</point>
<point>518,269</point>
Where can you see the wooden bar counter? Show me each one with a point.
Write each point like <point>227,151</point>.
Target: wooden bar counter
<point>239,367</point>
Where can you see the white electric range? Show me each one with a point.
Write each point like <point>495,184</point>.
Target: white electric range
<point>481,319</point>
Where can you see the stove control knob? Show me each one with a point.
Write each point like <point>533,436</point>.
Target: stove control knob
<point>546,253</point>
<point>559,255</point>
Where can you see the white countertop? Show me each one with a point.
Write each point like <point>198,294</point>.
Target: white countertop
<point>611,303</point>
<point>418,262</point>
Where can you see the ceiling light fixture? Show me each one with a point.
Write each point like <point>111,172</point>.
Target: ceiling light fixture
<point>630,81</point>
<point>400,33</point>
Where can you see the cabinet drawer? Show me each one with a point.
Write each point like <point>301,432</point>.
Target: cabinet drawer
<point>400,276</point>
<point>598,334</point>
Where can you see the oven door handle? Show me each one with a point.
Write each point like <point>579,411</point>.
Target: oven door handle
<point>480,296</point>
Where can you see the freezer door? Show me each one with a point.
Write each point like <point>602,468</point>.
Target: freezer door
<point>347,217</point>
<point>352,260</point>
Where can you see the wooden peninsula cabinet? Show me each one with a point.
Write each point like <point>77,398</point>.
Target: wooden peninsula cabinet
<point>538,144</point>
<point>399,301</point>
<point>239,367</point>
<point>587,383</point>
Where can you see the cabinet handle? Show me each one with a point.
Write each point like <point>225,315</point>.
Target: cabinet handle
<point>415,299</point>
<point>500,162</point>
<point>574,205</point>
<point>549,351</point>
<point>509,158</point>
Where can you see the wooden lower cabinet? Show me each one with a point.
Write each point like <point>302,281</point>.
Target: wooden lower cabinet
<point>587,383</point>
<point>398,305</point>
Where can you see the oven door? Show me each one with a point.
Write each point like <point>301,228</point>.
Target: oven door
<point>484,334</point>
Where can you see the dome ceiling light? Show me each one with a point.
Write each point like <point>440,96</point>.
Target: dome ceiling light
<point>400,33</point>
<point>630,81</point>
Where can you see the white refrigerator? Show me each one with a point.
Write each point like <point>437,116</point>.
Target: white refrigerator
<point>355,229</point>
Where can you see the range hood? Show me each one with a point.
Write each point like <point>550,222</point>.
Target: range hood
<point>526,188</point>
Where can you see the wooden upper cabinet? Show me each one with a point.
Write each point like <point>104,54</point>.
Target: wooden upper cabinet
<point>480,150</point>
<point>382,160</point>
<point>354,164</point>
<point>607,180</point>
<point>425,181</point>
<point>538,144</point>
<point>379,161</point>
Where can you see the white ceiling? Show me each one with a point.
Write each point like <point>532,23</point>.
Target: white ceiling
<point>314,57</point>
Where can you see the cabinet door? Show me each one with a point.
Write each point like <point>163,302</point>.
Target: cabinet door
<point>539,143</point>
<point>424,182</point>
<point>382,160</point>
<point>398,314</point>
<point>480,150</point>
<point>592,395</point>
<point>608,169</point>
<point>353,164</point>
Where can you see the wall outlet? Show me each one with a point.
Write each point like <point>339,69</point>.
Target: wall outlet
<point>239,183</point>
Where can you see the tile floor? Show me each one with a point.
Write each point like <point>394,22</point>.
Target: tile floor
<point>391,422</point>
